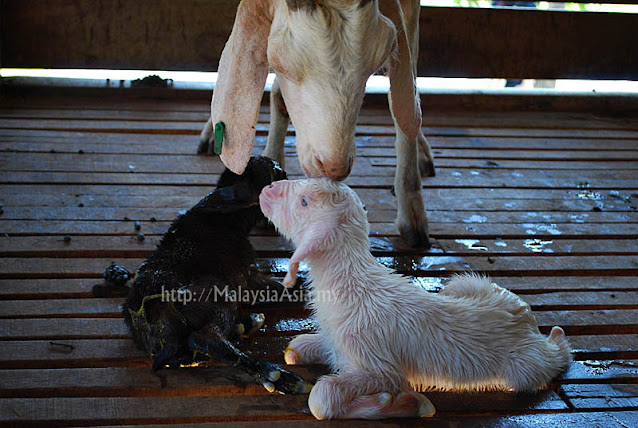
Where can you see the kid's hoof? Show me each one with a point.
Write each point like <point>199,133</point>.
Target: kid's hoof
<point>240,329</point>
<point>283,381</point>
<point>255,322</point>
<point>426,408</point>
<point>291,356</point>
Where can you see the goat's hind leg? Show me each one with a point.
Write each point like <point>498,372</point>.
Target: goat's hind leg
<point>279,121</point>
<point>211,343</point>
<point>356,396</point>
<point>206,142</point>
<point>411,218</point>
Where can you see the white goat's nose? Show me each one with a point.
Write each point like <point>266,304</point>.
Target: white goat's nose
<point>336,170</point>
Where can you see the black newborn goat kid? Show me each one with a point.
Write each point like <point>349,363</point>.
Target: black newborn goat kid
<point>205,250</point>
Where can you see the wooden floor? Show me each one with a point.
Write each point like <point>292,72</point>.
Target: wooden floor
<point>543,202</point>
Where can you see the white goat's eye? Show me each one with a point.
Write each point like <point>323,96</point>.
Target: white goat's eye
<point>304,202</point>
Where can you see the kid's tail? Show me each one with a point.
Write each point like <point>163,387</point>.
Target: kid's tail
<point>557,337</point>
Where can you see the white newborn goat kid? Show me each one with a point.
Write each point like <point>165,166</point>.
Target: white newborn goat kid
<point>384,336</point>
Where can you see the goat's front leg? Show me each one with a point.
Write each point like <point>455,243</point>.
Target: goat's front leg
<point>279,121</point>
<point>411,218</point>
<point>367,396</point>
<point>307,349</point>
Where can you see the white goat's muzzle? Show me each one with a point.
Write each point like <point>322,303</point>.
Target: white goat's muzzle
<point>336,169</point>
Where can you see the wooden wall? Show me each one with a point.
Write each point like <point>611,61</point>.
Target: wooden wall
<point>190,34</point>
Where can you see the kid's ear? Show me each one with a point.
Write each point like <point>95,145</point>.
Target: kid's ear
<point>242,72</point>
<point>314,240</point>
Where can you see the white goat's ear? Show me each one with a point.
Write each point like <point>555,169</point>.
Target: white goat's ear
<point>243,68</point>
<point>315,239</point>
<point>406,106</point>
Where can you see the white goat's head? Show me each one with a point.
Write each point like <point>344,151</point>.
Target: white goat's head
<point>317,215</point>
<point>323,52</point>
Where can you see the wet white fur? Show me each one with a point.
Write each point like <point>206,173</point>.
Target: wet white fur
<point>380,332</point>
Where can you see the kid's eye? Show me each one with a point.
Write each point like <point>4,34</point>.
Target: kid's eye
<point>304,202</point>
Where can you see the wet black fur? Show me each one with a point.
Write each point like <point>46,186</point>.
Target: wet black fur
<point>207,246</point>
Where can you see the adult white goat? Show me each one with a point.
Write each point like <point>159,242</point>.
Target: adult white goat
<point>323,51</point>
<point>383,335</point>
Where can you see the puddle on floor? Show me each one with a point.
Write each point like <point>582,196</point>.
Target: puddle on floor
<point>538,245</point>
<point>475,219</point>
<point>296,325</point>
<point>471,244</point>
<point>407,263</point>
<point>600,367</point>
<point>431,284</point>
<point>617,195</point>
<point>588,194</point>
<point>552,228</point>
<point>380,244</point>
<point>578,218</point>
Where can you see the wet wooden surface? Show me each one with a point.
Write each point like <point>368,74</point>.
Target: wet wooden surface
<point>545,203</point>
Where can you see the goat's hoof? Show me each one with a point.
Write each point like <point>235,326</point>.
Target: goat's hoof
<point>415,236</point>
<point>426,167</point>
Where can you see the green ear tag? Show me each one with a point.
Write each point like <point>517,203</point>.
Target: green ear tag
<point>219,137</point>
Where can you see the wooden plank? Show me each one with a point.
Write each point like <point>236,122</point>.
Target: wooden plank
<point>601,353</point>
<point>215,380</point>
<point>595,231</point>
<point>487,161</point>
<point>364,148</point>
<point>378,178</point>
<point>580,202</point>
<point>276,246</point>
<point>24,289</point>
<point>84,353</point>
<point>143,410</point>
<point>109,196</point>
<point>575,322</point>
<point>73,288</point>
<point>126,194</point>
<point>61,330</point>
<point>417,265</point>
<point>52,108</point>
<point>129,382</point>
<point>454,41</point>
<point>194,128</point>
<point>598,419</point>
<point>597,397</point>
<point>85,101</point>
<point>72,213</point>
